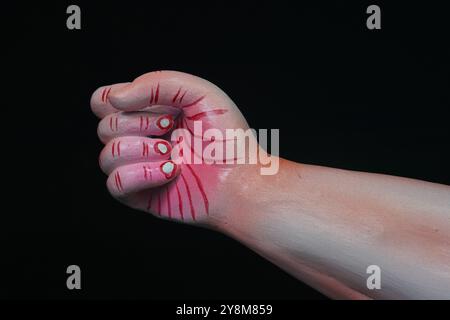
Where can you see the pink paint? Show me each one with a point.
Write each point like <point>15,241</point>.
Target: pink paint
<point>182,96</point>
<point>147,173</point>
<point>114,123</point>
<point>193,103</point>
<point>157,94</point>
<point>201,115</point>
<point>176,95</point>
<point>151,98</point>
<point>107,95</point>
<point>180,204</point>
<point>144,149</point>
<point>200,187</point>
<point>103,95</point>
<point>194,194</point>
<point>188,195</point>
<point>118,182</point>
<point>161,119</point>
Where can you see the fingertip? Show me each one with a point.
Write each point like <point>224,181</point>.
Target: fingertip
<point>126,99</point>
<point>118,99</point>
<point>100,100</point>
<point>170,169</point>
<point>162,147</point>
<point>165,122</point>
<point>101,134</point>
<point>94,101</point>
<point>115,184</point>
<point>93,97</point>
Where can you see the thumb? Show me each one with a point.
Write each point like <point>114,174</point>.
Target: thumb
<point>166,88</point>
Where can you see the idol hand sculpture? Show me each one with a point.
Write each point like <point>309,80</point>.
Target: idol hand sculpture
<point>325,226</point>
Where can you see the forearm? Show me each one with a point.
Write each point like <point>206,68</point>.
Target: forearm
<point>326,226</point>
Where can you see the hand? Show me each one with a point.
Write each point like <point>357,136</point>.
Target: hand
<point>136,161</point>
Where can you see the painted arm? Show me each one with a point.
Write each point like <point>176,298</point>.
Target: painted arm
<point>324,226</point>
<point>327,226</point>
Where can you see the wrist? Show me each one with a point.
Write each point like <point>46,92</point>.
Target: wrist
<point>252,198</point>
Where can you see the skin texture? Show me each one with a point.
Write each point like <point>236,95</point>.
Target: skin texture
<point>324,226</point>
<point>192,194</point>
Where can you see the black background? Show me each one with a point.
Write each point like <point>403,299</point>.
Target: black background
<point>341,95</point>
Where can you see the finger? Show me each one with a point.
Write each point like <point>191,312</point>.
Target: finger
<point>168,88</point>
<point>133,124</point>
<point>133,178</point>
<point>169,201</point>
<point>197,99</point>
<point>129,150</point>
<point>184,198</point>
<point>100,103</point>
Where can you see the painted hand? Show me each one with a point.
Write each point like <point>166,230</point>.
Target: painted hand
<point>137,162</point>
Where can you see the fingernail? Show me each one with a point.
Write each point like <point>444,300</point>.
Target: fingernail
<point>168,168</point>
<point>162,148</point>
<point>164,122</point>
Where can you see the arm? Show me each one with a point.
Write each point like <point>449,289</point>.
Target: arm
<point>326,226</point>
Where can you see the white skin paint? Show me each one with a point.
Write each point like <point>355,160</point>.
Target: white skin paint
<point>164,123</point>
<point>326,226</point>
<point>163,148</point>
<point>168,167</point>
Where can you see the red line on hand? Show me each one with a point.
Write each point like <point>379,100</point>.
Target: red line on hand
<point>176,95</point>
<point>118,181</point>
<point>207,113</point>
<point>193,103</point>
<point>182,96</point>
<point>144,149</point>
<point>157,94</point>
<point>200,186</point>
<point>180,204</point>
<point>189,196</point>
<point>107,94</point>
<point>151,97</point>
<point>103,95</point>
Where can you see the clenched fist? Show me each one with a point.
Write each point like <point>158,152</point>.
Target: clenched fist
<point>138,121</point>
